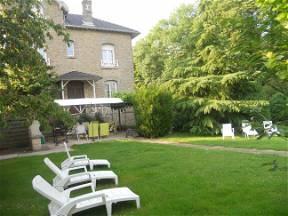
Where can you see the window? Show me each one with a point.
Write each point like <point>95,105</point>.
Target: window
<point>70,49</point>
<point>43,53</point>
<point>110,88</point>
<point>108,56</point>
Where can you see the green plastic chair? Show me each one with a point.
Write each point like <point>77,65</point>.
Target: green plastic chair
<point>93,129</point>
<point>104,129</point>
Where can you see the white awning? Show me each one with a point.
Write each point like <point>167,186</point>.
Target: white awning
<point>88,101</point>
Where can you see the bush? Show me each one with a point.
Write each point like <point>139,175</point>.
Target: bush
<point>127,97</point>
<point>205,116</point>
<point>56,117</point>
<point>153,111</point>
<point>85,118</point>
<point>279,108</point>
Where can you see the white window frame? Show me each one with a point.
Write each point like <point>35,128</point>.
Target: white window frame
<point>111,87</point>
<point>110,61</point>
<point>43,53</point>
<point>70,45</point>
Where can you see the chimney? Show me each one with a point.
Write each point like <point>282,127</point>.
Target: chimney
<point>87,12</point>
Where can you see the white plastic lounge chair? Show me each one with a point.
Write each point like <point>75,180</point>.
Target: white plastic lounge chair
<point>81,160</point>
<point>81,130</point>
<point>227,131</point>
<point>269,128</point>
<point>62,179</point>
<point>62,204</point>
<point>248,131</point>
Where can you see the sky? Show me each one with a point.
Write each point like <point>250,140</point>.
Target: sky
<point>140,15</point>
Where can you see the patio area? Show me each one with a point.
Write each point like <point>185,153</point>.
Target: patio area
<point>51,147</point>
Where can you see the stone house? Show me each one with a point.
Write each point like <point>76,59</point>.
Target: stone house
<point>97,61</point>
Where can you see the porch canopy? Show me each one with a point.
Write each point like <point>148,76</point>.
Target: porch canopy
<point>89,101</point>
<point>83,103</point>
<point>79,76</point>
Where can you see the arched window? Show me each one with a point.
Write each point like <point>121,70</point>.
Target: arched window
<point>110,88</point>
<point>108,56</point>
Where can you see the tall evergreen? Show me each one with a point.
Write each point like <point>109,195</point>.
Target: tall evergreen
<point>212,57</point>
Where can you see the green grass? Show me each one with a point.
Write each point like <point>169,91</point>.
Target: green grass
<point>170,181</point>
<point>275,143</point>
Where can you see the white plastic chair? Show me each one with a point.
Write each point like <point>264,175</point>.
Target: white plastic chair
<point>269,128</point>
<point>248,131</point>
<point>63,179</point>
<point>81,160</point>
<point>62,204</point>
<point>81,130</point>
<point>227,131</point>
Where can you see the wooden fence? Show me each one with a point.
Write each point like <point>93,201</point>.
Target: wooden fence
<point>16,135</point>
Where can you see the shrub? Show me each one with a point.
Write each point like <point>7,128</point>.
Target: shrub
<point>57,118</point>
<point>84,117</point>
<point>153,111</point>
<point>279,108</point>
<point>205,116</point>
<point>127,97</point>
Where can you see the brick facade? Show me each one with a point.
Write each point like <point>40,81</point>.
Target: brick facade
<point>87,57</point>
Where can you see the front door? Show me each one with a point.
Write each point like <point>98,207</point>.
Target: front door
<point>75,89</point>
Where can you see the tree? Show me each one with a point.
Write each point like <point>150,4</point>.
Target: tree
<point>27,84</point>
<point>275,34</point>
<point>278,7</point>
<point>150,54</point>
<point>214,61</point>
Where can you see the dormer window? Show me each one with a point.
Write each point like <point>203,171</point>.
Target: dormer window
<point>70,49</point>
<point>108,56</point>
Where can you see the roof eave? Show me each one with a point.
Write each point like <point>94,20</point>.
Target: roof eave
<point>76,75</point>
<point>132,33</point>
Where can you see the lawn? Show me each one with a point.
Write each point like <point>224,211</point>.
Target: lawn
<point>275,143</point>
<point>170,180</point>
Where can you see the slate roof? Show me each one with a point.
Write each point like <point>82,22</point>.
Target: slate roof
<point>76,75</point>
<point>75,20</point>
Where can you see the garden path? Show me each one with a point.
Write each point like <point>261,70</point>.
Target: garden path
<point>222,148</point>
<point>53,149</point>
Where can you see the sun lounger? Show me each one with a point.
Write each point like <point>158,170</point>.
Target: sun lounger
<point>63,179</point>
<point>62,204</point>
<point>248,131</point>
<point>81,160</point>
<point>270,129</point>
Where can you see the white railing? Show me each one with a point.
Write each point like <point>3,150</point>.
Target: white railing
<point>109,65</point>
